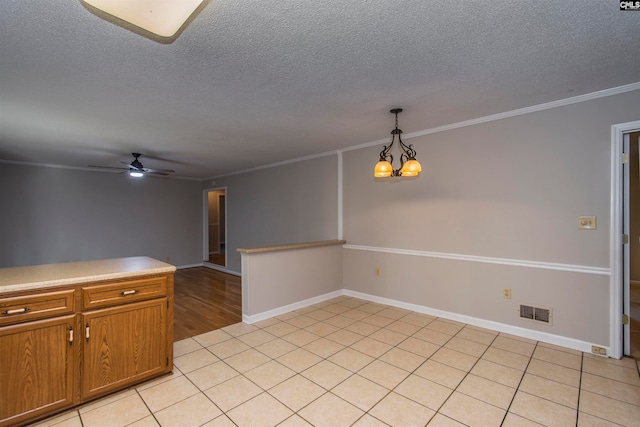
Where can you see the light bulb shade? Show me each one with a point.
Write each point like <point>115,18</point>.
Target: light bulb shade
<point>383,169</point>
<point>135,173</point>
<point>160,17</point>
<point>411,168</point>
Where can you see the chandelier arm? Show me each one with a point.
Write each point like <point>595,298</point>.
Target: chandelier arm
<point>407,150</point>
<point>385,151</point>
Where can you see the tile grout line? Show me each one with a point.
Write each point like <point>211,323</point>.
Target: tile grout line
<point>579,389</point>
<point>518,387</point>
<point>149,409</point>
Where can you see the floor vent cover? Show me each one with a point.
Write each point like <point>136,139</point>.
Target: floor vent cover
<point>535,313</point>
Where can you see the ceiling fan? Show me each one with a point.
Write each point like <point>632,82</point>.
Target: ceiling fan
<point>136,169</point>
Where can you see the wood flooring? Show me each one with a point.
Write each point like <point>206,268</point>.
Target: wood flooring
<point>204,300</point>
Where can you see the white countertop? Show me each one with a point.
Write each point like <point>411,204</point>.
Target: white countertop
<point>26,278</point>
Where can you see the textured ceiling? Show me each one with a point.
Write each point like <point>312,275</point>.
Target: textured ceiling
<point>254,82</point>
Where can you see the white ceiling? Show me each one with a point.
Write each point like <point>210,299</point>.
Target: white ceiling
<point>254,82</point>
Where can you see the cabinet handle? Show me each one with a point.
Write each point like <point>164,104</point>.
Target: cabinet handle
<point>15,311</point>
<point>70,335</point>
<point>131,292</point>
<point>86,332</point>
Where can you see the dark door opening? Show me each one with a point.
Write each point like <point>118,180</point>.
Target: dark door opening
<point>216,227</point>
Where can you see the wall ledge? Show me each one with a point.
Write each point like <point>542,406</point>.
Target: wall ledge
<point>291,246</point>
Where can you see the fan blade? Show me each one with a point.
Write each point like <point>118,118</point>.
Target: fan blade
<point>165,171</point>
<point>156,175</point>
<point>107,167</point>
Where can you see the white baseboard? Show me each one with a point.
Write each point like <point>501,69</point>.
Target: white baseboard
<point>220,268</point>
<point>211,266</point>
<point>181,267</point>
<point>482,323</point>
<point>291,307</point>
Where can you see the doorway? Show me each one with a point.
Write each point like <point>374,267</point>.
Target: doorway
<point>620,251</point>
<point>216,227</point>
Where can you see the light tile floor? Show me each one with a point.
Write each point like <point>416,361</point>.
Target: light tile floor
<point>349,362</point>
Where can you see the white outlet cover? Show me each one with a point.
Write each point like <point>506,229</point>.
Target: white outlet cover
<point>160,17</point>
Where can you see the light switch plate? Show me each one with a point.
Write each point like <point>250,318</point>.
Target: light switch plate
<point>587,222</point>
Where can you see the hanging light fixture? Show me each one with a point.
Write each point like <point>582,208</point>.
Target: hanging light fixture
<point>409,166</point>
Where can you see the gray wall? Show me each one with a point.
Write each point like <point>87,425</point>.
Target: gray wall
<point>507,189</point>
<point>51,215</point>
<point>292,203</point>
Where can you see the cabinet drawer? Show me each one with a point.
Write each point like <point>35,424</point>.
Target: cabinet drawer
<point>109,294</point>
<point>37,306</point>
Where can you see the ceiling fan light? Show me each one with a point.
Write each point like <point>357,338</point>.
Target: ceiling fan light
<point>136,173</point>
<point>161,17</point>
<point>383,169</point>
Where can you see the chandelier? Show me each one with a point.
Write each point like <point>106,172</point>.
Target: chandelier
<point>409,166</point>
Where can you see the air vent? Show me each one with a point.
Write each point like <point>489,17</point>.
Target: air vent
<point>538,314</point>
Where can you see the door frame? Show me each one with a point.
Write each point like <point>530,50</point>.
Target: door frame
<point>205,222</point>
<point>618,286</point>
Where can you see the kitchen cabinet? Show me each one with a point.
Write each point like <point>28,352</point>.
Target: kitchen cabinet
<point>38,369</point>
<point>73,342</point>
<point>124,345</point>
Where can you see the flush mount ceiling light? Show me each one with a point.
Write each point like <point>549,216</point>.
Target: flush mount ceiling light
<point>161,17</point>
<point>409,166</point>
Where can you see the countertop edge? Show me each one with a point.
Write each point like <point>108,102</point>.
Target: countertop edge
<point>96,271</point>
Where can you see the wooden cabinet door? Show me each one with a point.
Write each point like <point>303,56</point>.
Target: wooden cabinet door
<point>124,345</point>
<point>37,369</point>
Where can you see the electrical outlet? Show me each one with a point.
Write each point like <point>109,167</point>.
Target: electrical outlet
<point>377,271</point>
<point>587,223</point>
<point>506,293</point>
<point>598,350</point>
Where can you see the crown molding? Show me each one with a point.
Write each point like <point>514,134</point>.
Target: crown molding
<point>513,113</point>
